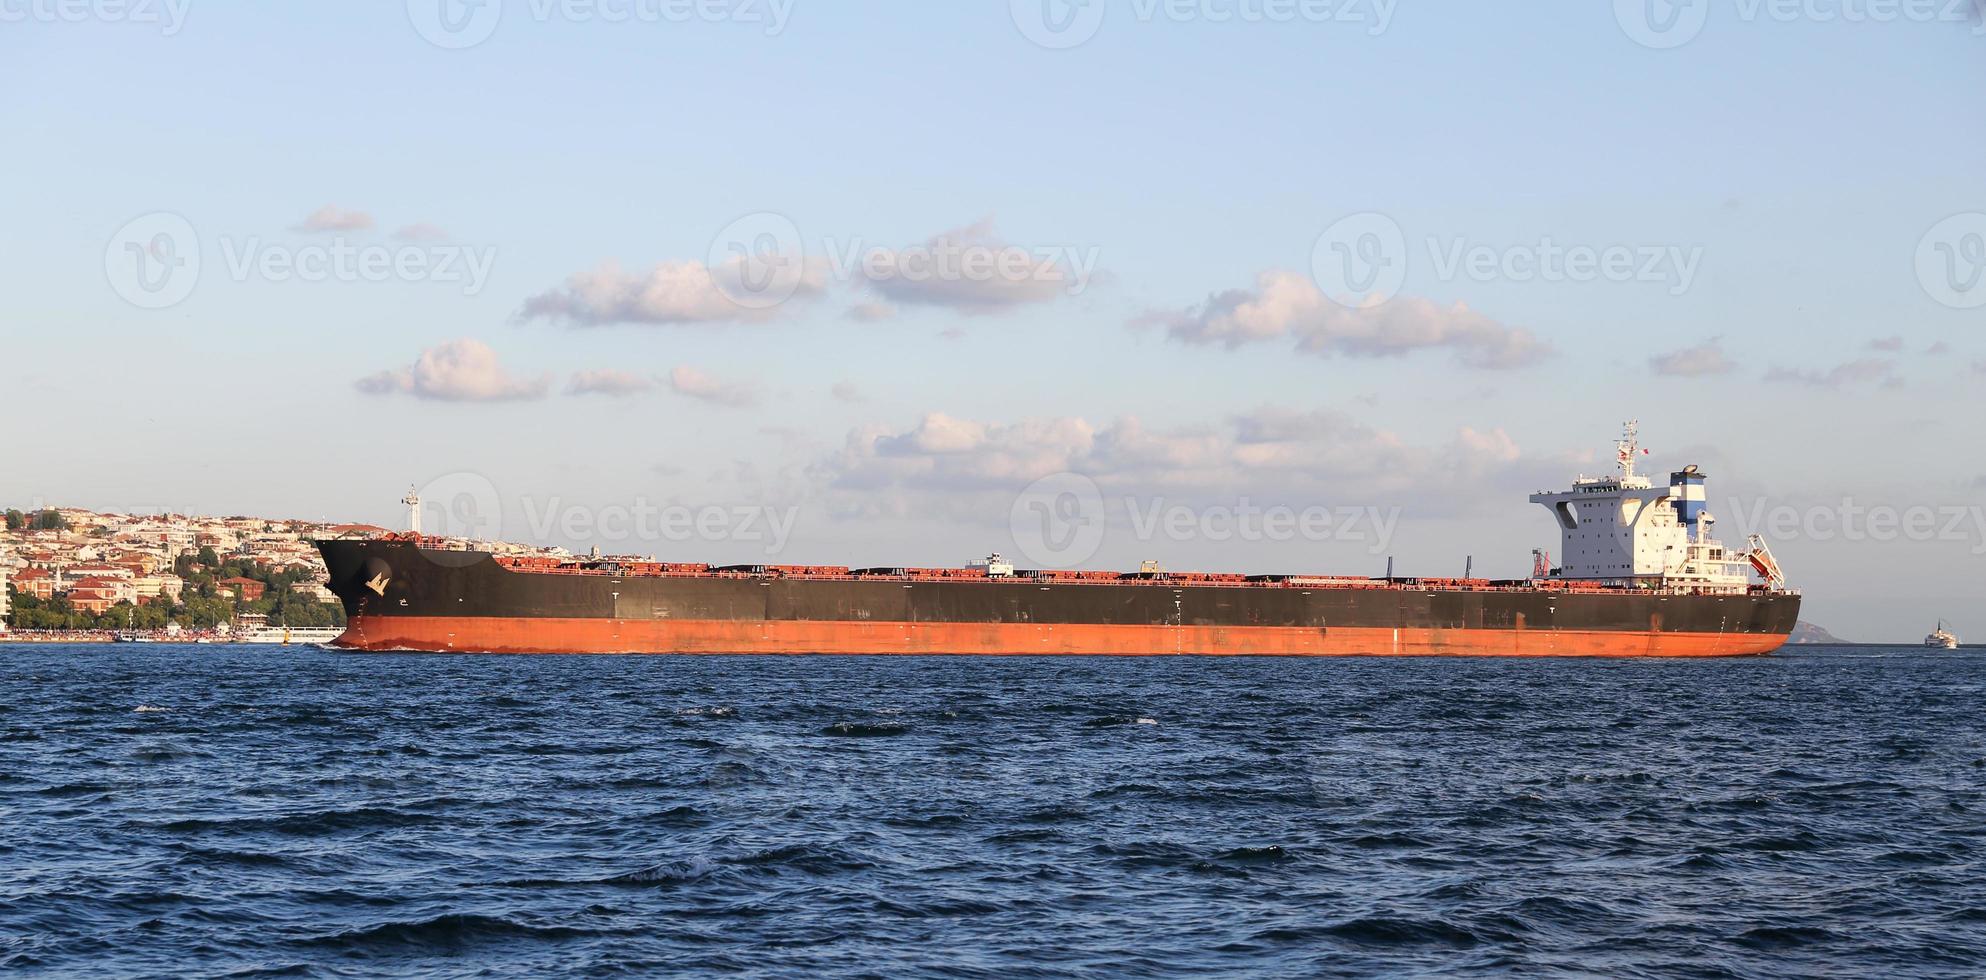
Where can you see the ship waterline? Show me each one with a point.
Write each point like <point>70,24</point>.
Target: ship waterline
<point>529,636</point>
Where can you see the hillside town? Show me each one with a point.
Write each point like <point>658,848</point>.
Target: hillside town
<point>67,568</point>
<point>73,571</point>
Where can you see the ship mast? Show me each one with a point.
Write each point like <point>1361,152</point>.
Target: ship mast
<point>413,502</point>
<point>1627,447</point>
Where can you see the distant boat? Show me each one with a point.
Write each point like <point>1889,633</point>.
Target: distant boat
<point>1941,638</point>
<point>290,636</point>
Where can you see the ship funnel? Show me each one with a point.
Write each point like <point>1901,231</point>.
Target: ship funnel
<point>1687,489</point>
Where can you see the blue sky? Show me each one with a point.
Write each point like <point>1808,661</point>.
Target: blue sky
<point>1800,158</point>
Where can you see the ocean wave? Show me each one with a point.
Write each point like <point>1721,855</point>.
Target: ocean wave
<point>862,729</point>
<point>302,824</point>
<point>321,815</point>
<point>443,933</point>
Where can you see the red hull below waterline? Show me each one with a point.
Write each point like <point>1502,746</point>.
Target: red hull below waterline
<point>486,634</point>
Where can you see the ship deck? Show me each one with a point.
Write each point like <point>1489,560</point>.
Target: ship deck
<point>625,569</point>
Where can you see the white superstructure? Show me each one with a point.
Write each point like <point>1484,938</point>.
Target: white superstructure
<point>996,566</point>
<point>1624,529</point>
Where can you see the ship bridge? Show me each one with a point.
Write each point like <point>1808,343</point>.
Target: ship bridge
<point>1624,528</point>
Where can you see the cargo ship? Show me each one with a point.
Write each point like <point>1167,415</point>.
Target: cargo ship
<point>1640,576</point>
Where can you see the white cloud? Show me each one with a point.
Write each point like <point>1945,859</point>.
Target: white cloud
<point>333,218</point>
<point>970,270</point>
<point>458,371</point>
<point>693,383</point>
<point>608,382</point>
<point>946,452</point>
<point>870,312</point>
<point>668,293</point>
<point>1702,360</point>
<point>1269,453</point>
<point>1287,306</point>
<point>1864,371</point>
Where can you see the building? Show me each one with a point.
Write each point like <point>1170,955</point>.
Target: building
<point>164,586</point>
<point>315,590</point>
<point>97,570</point>
<point>37,582</point>
<point>97,595</point>
<point>140,564</point>
<point>247,588</point>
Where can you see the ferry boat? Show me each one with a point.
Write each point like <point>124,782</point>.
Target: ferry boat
<point>289,635</point>
<point>1941,638</point>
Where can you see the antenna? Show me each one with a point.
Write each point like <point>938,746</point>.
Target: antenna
<point>1627,447</point>
<point>1469,567</point>
<point>1389,567</point>
<point>413,502</point>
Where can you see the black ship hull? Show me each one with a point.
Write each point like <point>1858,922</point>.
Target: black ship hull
<point>400,596</point>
